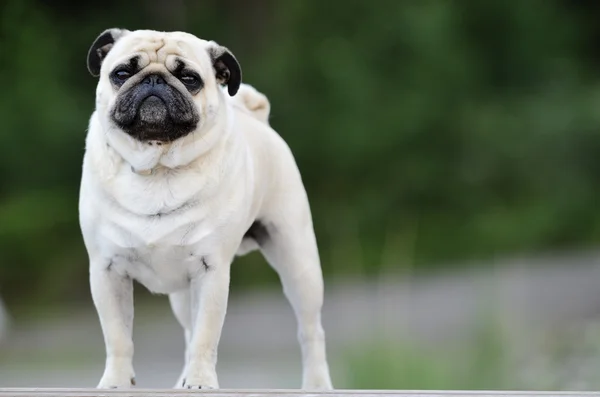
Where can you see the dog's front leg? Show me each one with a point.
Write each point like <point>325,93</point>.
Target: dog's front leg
<point>209,296</point>
<point>113,297</point>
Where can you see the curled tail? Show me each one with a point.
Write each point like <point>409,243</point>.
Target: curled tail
<point>253,101</point>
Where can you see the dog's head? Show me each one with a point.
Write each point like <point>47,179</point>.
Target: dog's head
<point>160,86</point>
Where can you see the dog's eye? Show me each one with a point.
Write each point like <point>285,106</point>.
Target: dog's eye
<point>122,75</point>
<point>189,79</point>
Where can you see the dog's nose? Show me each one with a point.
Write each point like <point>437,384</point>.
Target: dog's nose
<point>153,79</point>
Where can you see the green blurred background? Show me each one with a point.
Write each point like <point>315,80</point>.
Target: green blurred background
<point>467,129</point>
<point>437,134</point>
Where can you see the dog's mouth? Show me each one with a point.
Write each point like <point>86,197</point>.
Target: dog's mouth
<point>152,122</point>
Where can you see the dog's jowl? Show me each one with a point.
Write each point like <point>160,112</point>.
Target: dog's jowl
<point>181,173</point>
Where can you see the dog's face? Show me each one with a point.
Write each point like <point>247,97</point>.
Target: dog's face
<point>160,86</point>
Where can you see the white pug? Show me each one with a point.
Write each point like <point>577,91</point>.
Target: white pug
<point>179,177</point>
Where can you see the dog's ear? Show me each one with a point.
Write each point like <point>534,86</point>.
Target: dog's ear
<point>100,47</point>
<point>227,68</point>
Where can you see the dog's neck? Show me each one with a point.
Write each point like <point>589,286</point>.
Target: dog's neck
<point>145,158</point>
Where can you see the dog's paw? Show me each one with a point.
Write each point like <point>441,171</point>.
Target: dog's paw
<point>318,386</point>
<point>317,380</point>
<point>197,387</point>
<point>108,382</point>
<point>194,386</point>
<point>199,383</point>
<point>117,375</point>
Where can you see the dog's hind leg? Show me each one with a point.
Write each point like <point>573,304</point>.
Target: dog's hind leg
<point>290,248</point>
<point>180,304</point>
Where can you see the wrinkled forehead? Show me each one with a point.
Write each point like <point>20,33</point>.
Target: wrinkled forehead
<point>152,47</point>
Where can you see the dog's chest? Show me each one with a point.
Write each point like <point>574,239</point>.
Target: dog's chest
<point>162,268</point>
<point>162,193</point>
<point>162,254</point>
<point>164,232</point>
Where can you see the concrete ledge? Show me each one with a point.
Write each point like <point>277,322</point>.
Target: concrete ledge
<point>44,392</point>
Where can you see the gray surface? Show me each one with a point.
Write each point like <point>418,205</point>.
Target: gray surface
<point>282,393</point>
<point>4,321</point>
<point>259,350</point>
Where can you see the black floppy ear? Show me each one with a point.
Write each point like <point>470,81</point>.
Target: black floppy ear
<point>100,47</point>
<point>227,68</point>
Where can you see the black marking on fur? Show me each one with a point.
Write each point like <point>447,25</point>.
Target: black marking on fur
<point>131,257</point>
<point>134,64</point>
<point>258,232</point>
<point>110,265</point>
<point>200,387</point>
<point>179,66</point>
<point>227,69</point>
<point>132,67</point>
<point>206,267</point>
<point>100,47</point>
<point>182,70</point>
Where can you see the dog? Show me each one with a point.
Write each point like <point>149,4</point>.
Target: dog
<point>182,173</point>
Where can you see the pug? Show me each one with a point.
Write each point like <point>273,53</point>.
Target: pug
<point>182,173</point>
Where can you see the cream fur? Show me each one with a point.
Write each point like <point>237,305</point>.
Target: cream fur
<point>172,216</point>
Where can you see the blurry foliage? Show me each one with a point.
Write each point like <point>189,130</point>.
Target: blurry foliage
<point>470,126</point>
<point>482,367</point>
<point>562,359</point>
